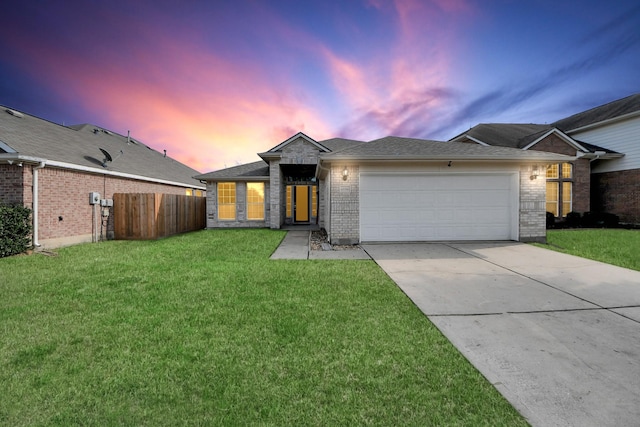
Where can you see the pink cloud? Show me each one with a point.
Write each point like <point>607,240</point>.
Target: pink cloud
<point>206,111</point>
<point>410,77</point>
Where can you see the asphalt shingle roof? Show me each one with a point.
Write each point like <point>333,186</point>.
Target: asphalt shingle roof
<point>338,144</point>
<point>507,134</point>
<point>257,170</point>
<point>398,148</point>
<point>516,135</point>
<point>614,109</point>
<point>80,145</point>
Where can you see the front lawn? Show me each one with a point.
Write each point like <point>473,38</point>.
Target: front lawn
<point>204,329</point>
<point>613,246</point>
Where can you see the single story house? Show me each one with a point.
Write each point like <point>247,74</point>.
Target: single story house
<point>67,175</point>
<point>604,176</point>
<point>389,189</point>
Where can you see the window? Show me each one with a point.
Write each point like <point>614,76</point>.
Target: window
<point>255,200</point>
<point>559,189</point>
<point>314,201</point>
<point>289,201</point>
<point>227,200</point>
<point>189,192</point>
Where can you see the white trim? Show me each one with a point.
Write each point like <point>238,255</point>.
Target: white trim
<point>562,136</point>
<point>120,174</point>
<point>477,141</point>
<point>605,122</point>
<point>71,166</point>
<point>4,147</point>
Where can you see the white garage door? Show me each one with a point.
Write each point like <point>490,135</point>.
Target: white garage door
<point>430,207</point>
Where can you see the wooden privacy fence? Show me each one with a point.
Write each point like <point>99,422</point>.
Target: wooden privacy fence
<point>143,216</point>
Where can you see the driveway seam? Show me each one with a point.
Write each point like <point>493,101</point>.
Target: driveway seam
<point>564,310</point>
<point>599,307</point>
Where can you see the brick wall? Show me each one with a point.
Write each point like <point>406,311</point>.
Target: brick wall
<point>322,202</point>
<point>64,214</point>
<point>276,195</point>
<point>618,193</point>
<point>581,201</point>
<point>345,206</point>
<point>532,206</point>
<point>12,184</point>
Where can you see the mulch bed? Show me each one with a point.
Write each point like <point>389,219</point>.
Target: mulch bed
<point>320,242</point>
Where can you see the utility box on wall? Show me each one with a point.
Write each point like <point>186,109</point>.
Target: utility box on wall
<point>94,198</point>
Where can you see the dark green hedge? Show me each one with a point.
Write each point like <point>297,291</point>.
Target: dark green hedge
<point>15,230</point>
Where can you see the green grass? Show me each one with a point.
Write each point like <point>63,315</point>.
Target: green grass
<point>613,246</point>
<point>204,329</point>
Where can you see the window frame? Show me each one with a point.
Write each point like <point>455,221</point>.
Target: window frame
<point>563,183</point>
<point>253,203</point>
<point>220,195</point>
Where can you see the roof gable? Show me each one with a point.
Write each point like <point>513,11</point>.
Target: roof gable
<point>502,134</point>
<point>553,131</point>
<point>294,138</point>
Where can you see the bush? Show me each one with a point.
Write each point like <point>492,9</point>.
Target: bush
<point>551,220</point>
<point>573,219</point>
<point>15,230</point>
<point>600,220</point>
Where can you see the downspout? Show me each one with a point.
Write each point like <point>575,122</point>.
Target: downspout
<point>35,241</point>
<point>598,154</point>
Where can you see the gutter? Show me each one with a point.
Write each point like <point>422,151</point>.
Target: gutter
<point>13,158</point>
<point>89,169</point>
<point>525,159</point>
<point>34,213</point>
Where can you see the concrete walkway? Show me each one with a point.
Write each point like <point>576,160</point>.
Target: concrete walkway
<point>557,335</point>
<point>295,245</point>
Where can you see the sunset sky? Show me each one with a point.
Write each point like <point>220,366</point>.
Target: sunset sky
<point>215,82</point>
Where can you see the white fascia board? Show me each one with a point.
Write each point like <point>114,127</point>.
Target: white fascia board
<point>546,157</point>
<point>464,135</point>
<point>17,157</point>
<point>605,122</point>
<point>477,141</point>
<point>562,136</point>
<point>6,148</point>
<point>89,169</point>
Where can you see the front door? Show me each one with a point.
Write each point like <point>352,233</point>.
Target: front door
<point>302,203</point>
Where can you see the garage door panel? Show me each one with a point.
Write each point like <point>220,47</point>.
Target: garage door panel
<point>396,207</point>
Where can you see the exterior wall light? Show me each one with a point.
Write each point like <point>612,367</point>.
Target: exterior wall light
<point>345,174</point>
<point>534,172</point>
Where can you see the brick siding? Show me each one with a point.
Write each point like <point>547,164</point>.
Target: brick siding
<point>617,193</point>
<point>345,206</point>
<point>532,206</point>
<point>64,213</point>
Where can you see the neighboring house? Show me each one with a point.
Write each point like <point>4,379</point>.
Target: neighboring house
<point>53,169</point>
<point>389,189</point>
<point>605,174</point>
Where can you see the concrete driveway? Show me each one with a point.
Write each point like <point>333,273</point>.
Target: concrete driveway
<point>557,335</point>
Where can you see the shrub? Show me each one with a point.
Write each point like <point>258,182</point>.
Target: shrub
<point>15,229</point>
<point>573,219</point>
<point>551,220</point>
<point>600,220</point>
